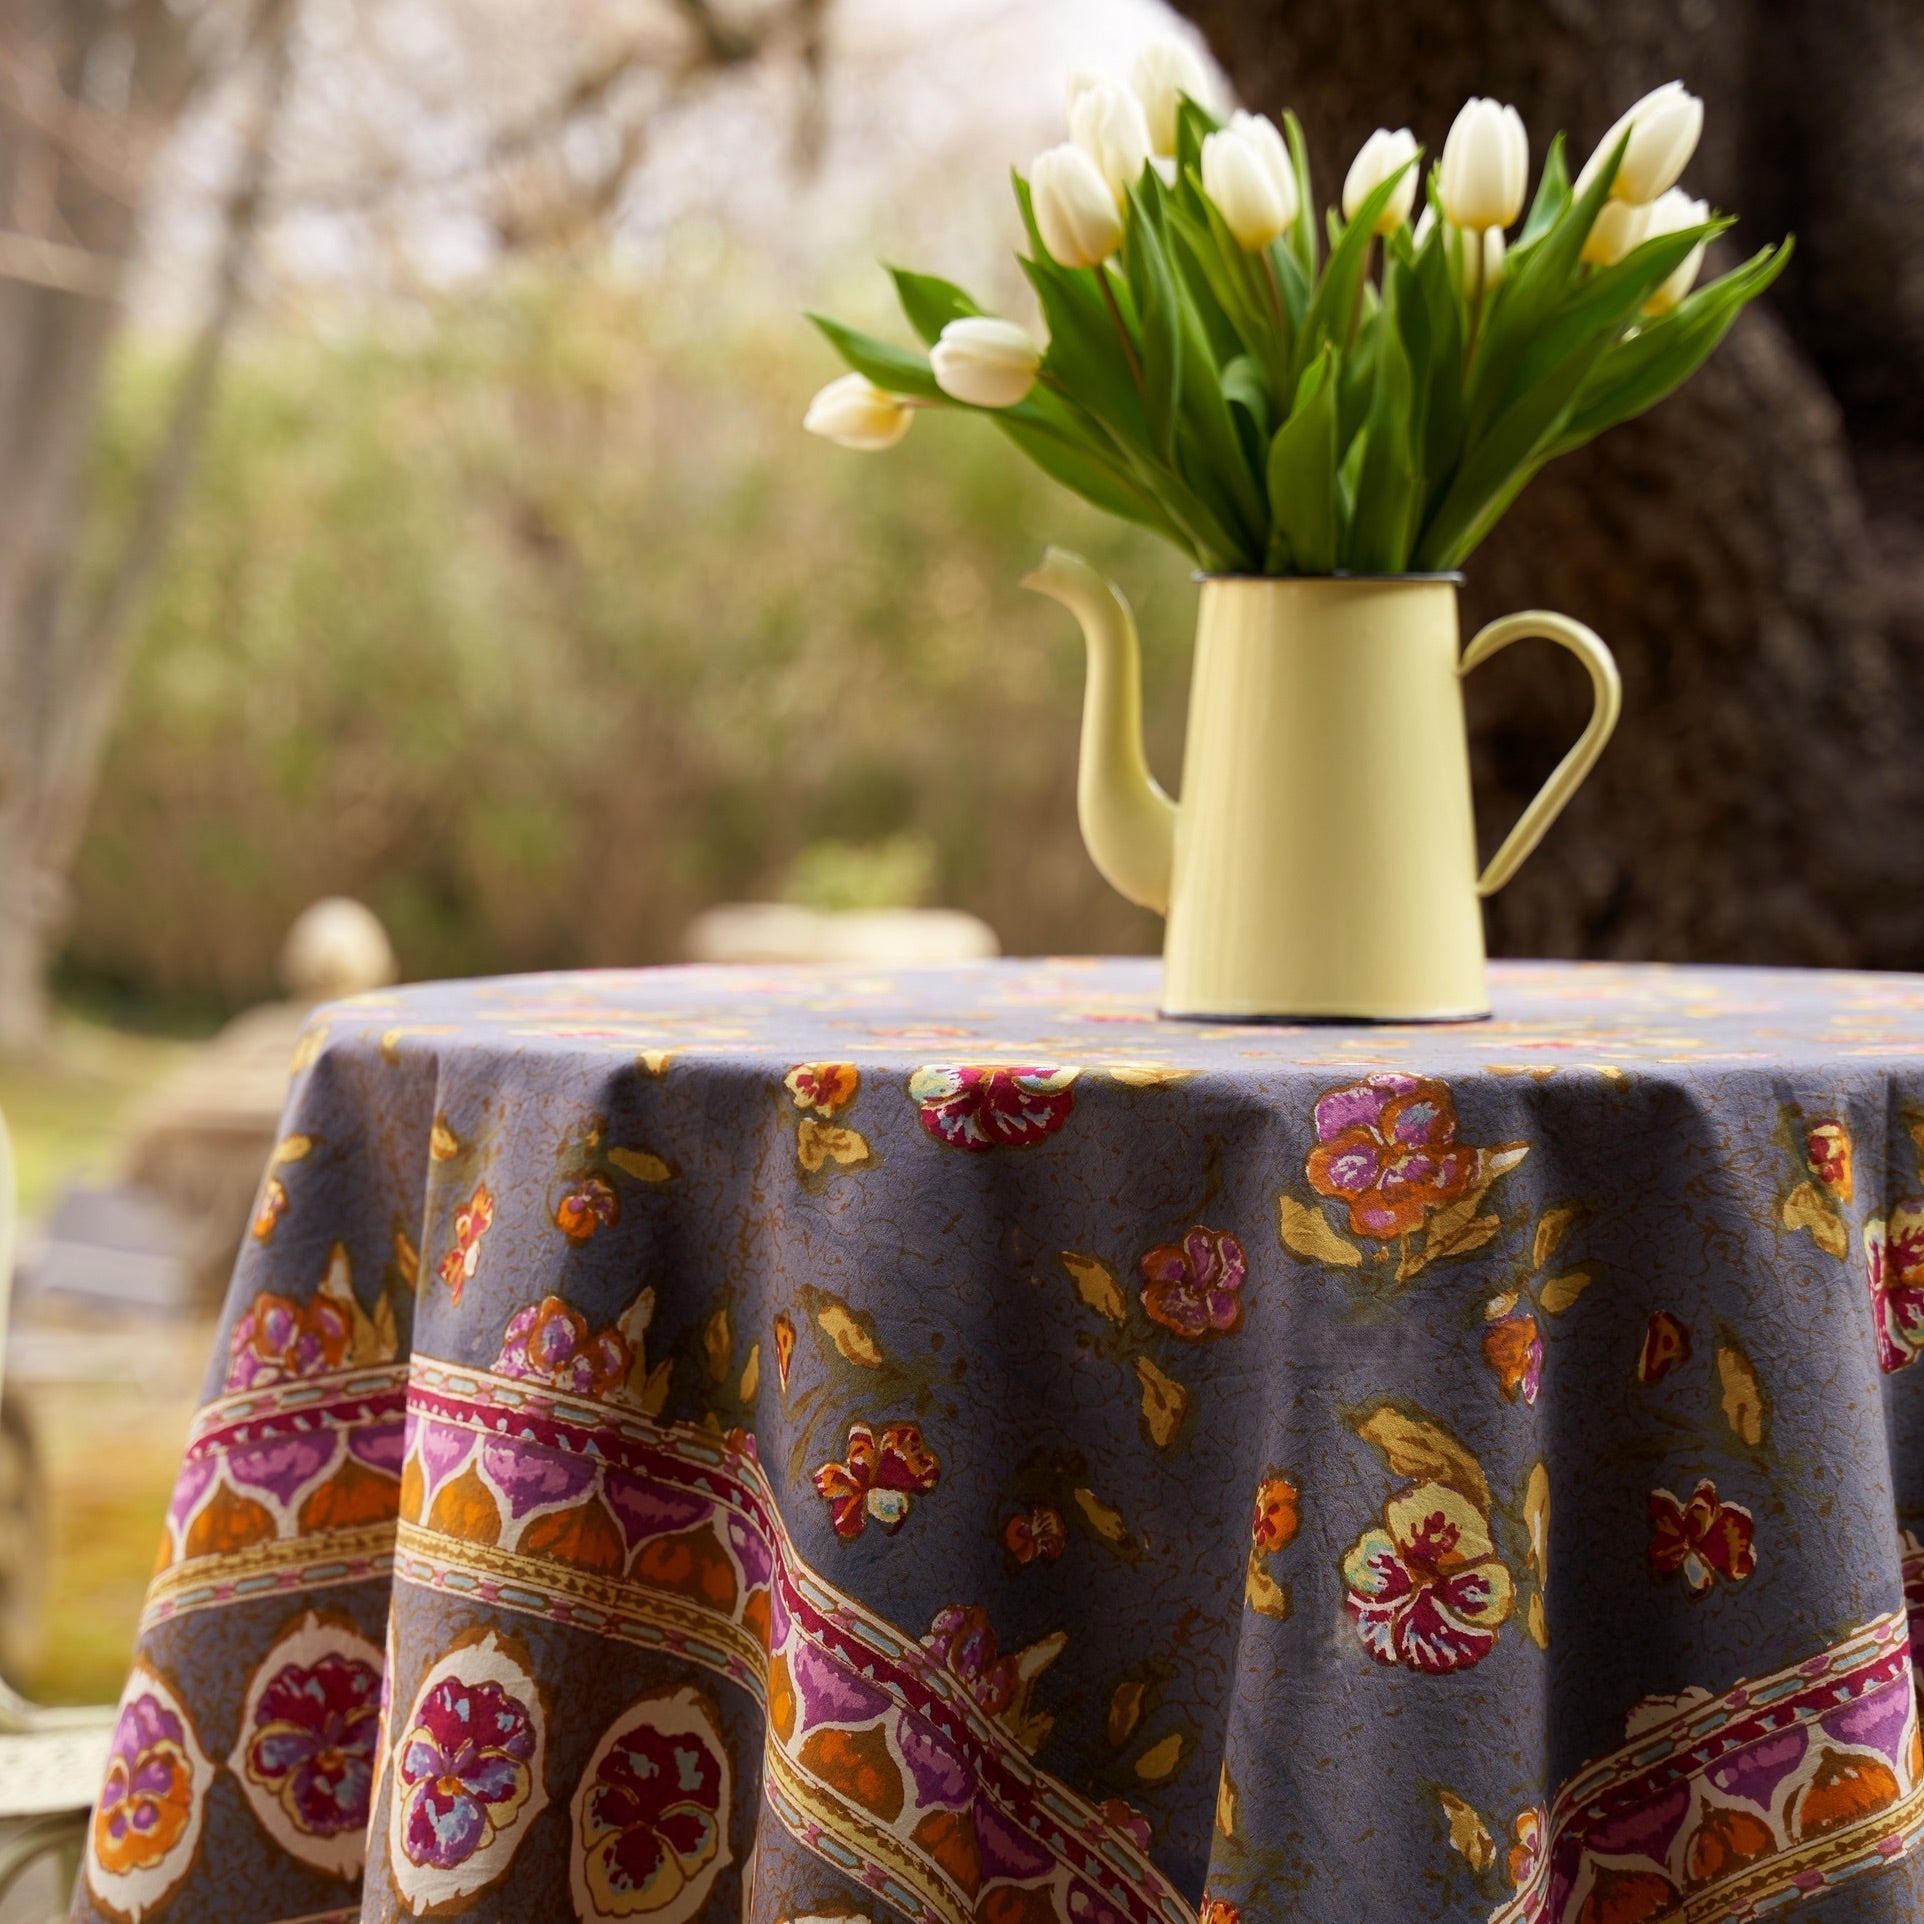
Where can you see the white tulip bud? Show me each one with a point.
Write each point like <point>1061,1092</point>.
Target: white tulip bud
<point>1379,157</point>
<point>1074,208</point>
<point>1246,172</point>
<point>1165,70</point>
<point>1671,213</point>
<point>1106,121</point>
<point>1619,227</point>
<point>986,362</point>
<point>854,413</point>
<point>1486,166</point>
<point>1664,127</point>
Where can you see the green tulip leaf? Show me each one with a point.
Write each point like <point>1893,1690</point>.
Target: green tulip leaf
<point>888,366</point>
<point>1302,471</point>
<point>930,303</point>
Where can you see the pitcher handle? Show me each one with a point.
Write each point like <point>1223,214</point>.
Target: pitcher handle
<point>1606,687</point>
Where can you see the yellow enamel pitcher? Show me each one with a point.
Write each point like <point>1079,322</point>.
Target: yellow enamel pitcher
<point>1322,863</point>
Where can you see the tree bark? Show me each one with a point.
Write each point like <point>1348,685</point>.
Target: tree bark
<point>73,170</point>
<point>1747,548</point>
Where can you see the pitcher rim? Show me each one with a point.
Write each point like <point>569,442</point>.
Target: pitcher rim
<point>1452,575</point>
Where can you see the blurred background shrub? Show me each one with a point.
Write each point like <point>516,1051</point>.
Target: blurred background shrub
<point>538,624</point>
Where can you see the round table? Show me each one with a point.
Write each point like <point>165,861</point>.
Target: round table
<point>949,1445</point>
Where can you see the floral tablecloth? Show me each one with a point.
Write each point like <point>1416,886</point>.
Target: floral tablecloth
<point>950,1446</point>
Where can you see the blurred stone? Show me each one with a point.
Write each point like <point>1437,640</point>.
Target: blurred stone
<point>336,947</point>
<point>782,932</point>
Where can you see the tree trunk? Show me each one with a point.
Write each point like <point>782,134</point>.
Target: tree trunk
<point>1763,798</point>
<point>76,153</point>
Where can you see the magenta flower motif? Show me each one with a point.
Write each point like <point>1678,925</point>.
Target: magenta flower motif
<point>1192,1286</point>
<point>463,1770</point>
<point>988,1107</point>
<point>963,1642</point>
<point>1894,1254</point>
<point>653,1820</point>
<point>314,1742</point>
<point>550,1343</point>
<point>148,1798</point>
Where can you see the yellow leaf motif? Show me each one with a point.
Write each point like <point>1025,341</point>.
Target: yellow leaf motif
<point>752,1373</point>
<point>1537,1622</point>
<point>655,1062</point>
<point>1160,1759</point>
<point>1469,1836</point>
<point>443,1144</point>
<point>1805,1208</point>
<point>307,1050</point>
<point>407,1259</point>
<point>1309,1233</point>
<point>1125,1712</point>
<point>1164,1401</point>
<point>291,1149</point>
<point>1457,1230</point>
<point>1421,1450</point>
<point>1550,1232</point>
<point>853,1337</point>
<point>639,1164</point>
<point>649,1387</point>
<point>819,1143</point>
<point>1561,1291</point>
<point>1226,1804</point>
<point>1095,1285</point>
<point>1743,1398</point>
<point>1104,1519</point>
<point>1148,1075</point>
<point>1536,1519</point>
<point>1262,1592</point>
<point>718,1344</point>
<point>1500,1306</point>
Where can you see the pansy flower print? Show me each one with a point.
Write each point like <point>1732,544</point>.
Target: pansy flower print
<point>990,1107</point>
<point>463,1770</point>
<point>1894,1261</point>
<point>312,1746</point>
<point>826,1088</point>
<point>548,1342</point>
<point>964,1642</point>
<point>1426,1587</point>
<point>1037,1534</point>
<point>588,1205</point>
<point>1513,1348</point>
<point>880,1475</point>
<point>1703,1538</point>
<point>472,1221</point>
<point>278,1340</point>
<point>1387,1147</point>
<point>148,1798</point>
<point>1276,1514</point>
<point>1193,1287</point>
<point>1827,1151</point>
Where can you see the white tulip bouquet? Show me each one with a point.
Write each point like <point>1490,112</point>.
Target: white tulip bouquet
<point>1275,406</point>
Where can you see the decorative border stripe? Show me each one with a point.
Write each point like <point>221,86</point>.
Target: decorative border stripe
<point>326,1562</point>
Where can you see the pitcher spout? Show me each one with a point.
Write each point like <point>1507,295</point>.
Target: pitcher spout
<point>1128,823</point>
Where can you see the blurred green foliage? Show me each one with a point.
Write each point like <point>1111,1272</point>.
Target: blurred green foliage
<point>538,623</point>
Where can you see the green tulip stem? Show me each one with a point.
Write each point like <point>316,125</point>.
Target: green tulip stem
<point>1122,332</point>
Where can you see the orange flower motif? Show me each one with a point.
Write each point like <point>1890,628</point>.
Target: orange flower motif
<point>1037,1533</point>
<point>271,1208</point>
<point>1827,1149</point>
<point>1218,1910</point>
<point>1666,1344</point>
<point>1513,1348</point>
<point>589,1205</point>
<point>1525,1854</point>
<point>149,1793</point>
<point>471,1222</point>
<point>1387,1146</point>
<point>1277,1514</point>
<point>825,1087</point>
